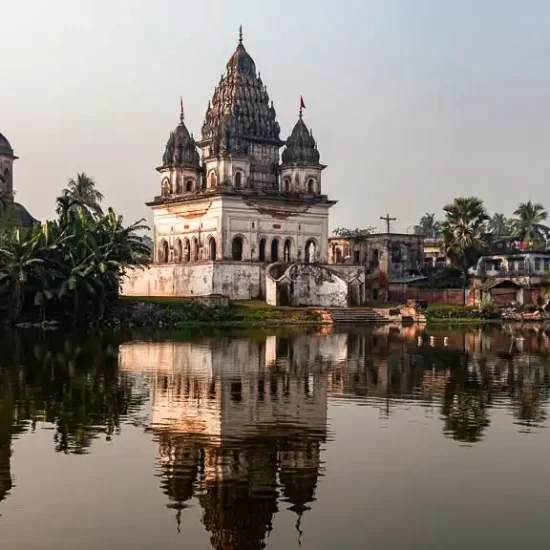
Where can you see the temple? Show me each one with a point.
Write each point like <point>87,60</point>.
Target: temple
<point>10,211</point>
<point>246,201</point>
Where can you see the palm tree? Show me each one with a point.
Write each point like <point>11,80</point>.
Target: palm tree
<point>83,191</point>
<point>499,225</point>
<point>527,223</point>
<point>465,231</point>
<point>428,226</point>
<point>20,268</point>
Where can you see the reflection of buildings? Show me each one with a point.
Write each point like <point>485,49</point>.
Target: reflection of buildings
<point>238,423</point>
<point>241,423</point>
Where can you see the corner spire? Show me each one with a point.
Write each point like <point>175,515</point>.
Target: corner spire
<point>182,113</point>
<point>240,34</point>
<point>302,107</point>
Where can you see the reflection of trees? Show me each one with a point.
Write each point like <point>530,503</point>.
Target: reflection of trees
<point>529,391</point>
<point>73,384</point>
<point>466,402</point>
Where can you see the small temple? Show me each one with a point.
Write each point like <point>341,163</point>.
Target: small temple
<point>241,212</point>
<point>10,210</point>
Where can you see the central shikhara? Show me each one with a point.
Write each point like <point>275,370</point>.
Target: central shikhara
<point>232,203</point>
<point>241,202</point>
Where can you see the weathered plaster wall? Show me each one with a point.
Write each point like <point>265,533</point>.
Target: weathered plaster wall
<point>170,280</point>
<point>315,286</point>
<point>271,291</point>
<point>237,280</point>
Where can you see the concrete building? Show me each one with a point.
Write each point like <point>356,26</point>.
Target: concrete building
<point>510,278</point>
<point>388,258</point>
<point>222,216</point>
<point>434,253</point>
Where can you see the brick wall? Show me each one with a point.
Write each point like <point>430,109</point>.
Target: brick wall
<point>442,296</point>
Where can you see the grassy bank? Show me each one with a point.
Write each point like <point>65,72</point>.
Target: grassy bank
<point>175,312</point>
<point>446,313</point>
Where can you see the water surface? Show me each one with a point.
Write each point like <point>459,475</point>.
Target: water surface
<point>377,438</point>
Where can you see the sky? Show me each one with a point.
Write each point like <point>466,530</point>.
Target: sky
<point>412,102</point>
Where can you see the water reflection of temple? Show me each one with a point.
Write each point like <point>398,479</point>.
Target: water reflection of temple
<point>240,426</point>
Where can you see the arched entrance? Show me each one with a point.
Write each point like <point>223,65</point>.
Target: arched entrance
<point>238,180</point>
<point>287,251</point>
<point>237,249</point>
<point>164,253</point>
<point>275,250</point>
<point>261,254</point>
<point>212,248</point>
<point>179,251</point>
<point>195,249</point>
<point>186,250</point>
<point>311,252</point>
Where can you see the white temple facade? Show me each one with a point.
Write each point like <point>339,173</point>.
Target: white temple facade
<point>246,201</point>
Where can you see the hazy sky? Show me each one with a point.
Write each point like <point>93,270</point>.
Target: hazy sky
<point>412,102</point>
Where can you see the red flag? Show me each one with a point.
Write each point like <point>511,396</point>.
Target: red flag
<point>302,104</point>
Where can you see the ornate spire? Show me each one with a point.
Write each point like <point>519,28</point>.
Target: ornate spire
<point>239,113</point>
<point>301,147</point>
<point>181,149</point>
<point>240,34</point>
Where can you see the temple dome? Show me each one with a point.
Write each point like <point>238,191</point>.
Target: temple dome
<point>240,112</point>
<point>5,147</point>
<point>181,148</point>
<point>17,214</point>
<point>301,147</point>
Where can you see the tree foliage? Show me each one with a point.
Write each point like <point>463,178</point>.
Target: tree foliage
<point>527,222</point>
<point>356,234</point>
<point>82,192</point>
<point>465,230</point>
<point>69,268</point>
<point>428,226</point>
<point>499,225</point>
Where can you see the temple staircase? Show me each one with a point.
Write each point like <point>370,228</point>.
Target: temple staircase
<point>356,316</point>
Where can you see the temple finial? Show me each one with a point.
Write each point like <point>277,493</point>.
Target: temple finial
<point>182,114</point>
<point>240,34</point>
<point>302,106</point>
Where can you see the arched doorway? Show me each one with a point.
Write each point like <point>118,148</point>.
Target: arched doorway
<point>179,251</point>
<point>186,250</point>
<point>164,252</point>
<point>189,186</point>
<point>311,252</point>
<point>237,249</point>
<point>195,249</point>
<point>275,250</point>
<point>261,255</point>
<point>212,248</point>
<point>213,180</point>
<point>338,255</point>
<point>287,251</point>
<point>311,186</point>
<point>238,180</point>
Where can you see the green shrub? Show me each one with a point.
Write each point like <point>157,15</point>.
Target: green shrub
<point>485,311</point>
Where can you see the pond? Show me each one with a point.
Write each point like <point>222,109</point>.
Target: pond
<point>376,438</point>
